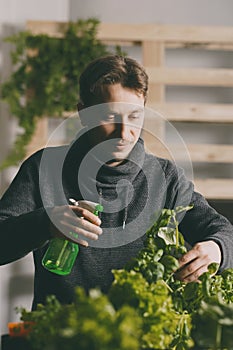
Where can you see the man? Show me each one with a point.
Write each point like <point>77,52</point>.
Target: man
<point>106,163</point>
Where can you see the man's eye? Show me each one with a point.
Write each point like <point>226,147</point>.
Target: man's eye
<point>135,116</point>
<point>111,117</point>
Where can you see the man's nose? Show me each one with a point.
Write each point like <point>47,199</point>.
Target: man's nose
<point>123,130</point>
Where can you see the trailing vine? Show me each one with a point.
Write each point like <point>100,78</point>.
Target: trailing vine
<point>45,78</point>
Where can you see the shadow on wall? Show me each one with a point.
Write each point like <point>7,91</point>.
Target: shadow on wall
<point>20,288</point>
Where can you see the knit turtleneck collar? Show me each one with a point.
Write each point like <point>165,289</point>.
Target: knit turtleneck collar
<point>110,175</point>
<point>82,145</point>
<point>100,182</point>
<point>119,179</point>
<point>80,151</point>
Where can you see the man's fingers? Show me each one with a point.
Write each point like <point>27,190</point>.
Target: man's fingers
<point>82,212</point>
<point>191,274</point>
<point>82,223</point>
<point>192,265</point>
<point>82,230</point>
<point>68,210</point>
<point>188,257</point>
<point>82,242</point>
<point>72,221</point>
<point>198,251</point>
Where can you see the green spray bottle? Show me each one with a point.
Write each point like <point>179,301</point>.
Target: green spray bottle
<point>61,254</point>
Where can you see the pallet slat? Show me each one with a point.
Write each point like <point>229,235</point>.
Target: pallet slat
<point>39,138</point>
<point>206,153</point>
<point>195,112</point>
<point>145,32</point>
<point>215,188</point>
<point>153,55</point>
<point>51,28</point>
<point>191,76</point>
<point>198,46</point>
<point>166,33</point>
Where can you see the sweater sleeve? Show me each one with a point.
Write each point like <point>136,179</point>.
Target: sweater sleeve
<point>23,220</point>
<point>202,222</point>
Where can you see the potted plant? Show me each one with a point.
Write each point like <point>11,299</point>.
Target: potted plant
<point>45,78</point>
<point>146,308</point>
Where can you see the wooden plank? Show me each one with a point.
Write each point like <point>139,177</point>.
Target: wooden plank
<point>51,28</point>
<point>207,153</point>
<point>211,153</point>
<point>198,46</point>
<point>153,56</point>
<point>144,32</point>
<point>215,188</point>
<point>40,137</point>
<point>191,76</point>
<point>166,33</point>
<point>195,112</point>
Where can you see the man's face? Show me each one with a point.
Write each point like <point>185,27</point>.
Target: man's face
<point>120,123</point>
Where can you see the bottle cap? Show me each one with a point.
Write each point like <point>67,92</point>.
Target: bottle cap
<point>92,206</point>
<point>98,208</point>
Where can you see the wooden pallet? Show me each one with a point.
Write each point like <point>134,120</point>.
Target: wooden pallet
<point>154,39</point>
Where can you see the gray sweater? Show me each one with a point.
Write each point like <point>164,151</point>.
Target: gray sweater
<point>132,194</point>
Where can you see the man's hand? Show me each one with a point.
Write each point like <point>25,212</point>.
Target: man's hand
<point>195,262</point>
<point>80,221</point>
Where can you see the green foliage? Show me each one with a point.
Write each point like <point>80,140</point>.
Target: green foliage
<point>213,325</point>
<point>91,322</point>
<point>154,304</point>
<point>170,308</point>
<point>48,319</point>
<point>147,307</point>
<point>45,79</point>
<point>147,285</point>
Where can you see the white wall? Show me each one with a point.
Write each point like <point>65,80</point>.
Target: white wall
<point>16,279</point>
<point>196,12</point>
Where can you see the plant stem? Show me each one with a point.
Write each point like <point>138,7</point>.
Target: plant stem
<point>168,287</point>
<point>177,231</point>
<point>218,337</point>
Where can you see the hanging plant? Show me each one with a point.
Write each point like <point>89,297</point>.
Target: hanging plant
<point>45,79</point>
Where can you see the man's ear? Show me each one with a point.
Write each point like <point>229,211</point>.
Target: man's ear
<point>81,106</point>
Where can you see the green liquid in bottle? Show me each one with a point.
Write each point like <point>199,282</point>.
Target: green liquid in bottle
<point>61,254</point>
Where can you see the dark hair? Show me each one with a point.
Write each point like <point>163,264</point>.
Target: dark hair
<point>108,70</point>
